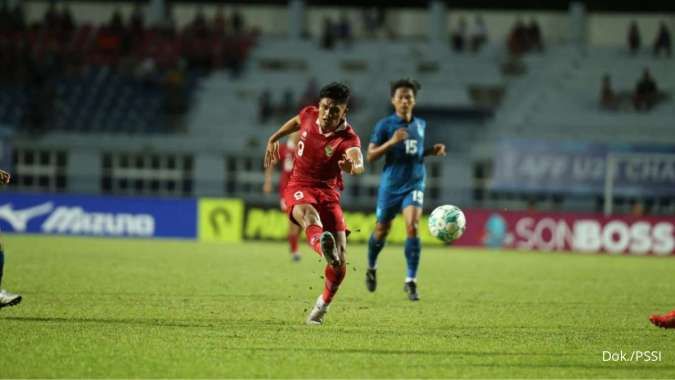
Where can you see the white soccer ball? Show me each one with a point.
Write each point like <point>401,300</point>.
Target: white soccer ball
<point>447,223</point>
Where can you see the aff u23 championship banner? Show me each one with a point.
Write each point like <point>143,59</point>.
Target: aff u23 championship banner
<point>98,216</point>
<point>586,233</point>
<point>577,167</point>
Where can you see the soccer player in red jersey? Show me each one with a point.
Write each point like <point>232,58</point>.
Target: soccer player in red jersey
<point>667,321</point>
<point>287,155</point>
<point>328,146</point>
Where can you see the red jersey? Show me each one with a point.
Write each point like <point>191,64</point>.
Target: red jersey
<point>317,154</point>
<point>287,154</point>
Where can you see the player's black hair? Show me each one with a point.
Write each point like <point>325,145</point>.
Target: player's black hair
<point>337,91</point>
<point>405,83</point>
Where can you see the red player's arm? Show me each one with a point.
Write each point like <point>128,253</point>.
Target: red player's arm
<point>4,177</point>
<point>272,150</point>
<point>353,161</point>
<point>267,184</point>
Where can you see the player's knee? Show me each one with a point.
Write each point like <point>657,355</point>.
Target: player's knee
<point>308,217</point>
<point>381,231</point>
<point>412,230</point>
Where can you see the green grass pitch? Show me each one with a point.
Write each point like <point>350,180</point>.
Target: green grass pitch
<point>140,308</point>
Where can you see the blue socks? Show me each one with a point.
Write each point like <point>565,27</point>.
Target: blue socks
<point>374,249</point>
<point>2,264</point>
<point>412,255</point>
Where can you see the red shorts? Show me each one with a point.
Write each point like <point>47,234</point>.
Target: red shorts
<point>325,201</point>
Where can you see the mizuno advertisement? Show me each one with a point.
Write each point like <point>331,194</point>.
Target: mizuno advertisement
<point>98,216</point>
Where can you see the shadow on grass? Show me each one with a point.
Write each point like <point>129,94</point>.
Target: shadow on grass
<point>200,323</point>
<point>380,351</point>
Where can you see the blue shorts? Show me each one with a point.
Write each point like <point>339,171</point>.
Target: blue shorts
<point>389,205</point>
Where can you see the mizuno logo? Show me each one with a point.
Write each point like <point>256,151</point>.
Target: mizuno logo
<point>19,219</point>
<point>75,220</point>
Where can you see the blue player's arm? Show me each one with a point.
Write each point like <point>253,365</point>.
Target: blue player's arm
<point>376,151</point>
<point>436,150</point>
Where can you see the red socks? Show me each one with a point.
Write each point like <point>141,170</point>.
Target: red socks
<point>313,233</point>
<point>293,242</point>
<point>333,276</point>
<point>333,279</point>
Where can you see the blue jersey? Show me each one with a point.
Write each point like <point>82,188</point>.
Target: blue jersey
<point>404,163</point>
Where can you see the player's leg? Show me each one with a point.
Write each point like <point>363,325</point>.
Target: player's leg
<point>412,213</point>
<point>387,208</point>
<point>293,239</point>
<point>375,246</point>
<point>667,321</point>
<point>293,233</point>
<point>322,242</point>
<point>333,274</point>
<point>6,298</point>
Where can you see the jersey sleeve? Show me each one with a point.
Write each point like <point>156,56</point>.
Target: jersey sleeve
<point>379,135</point>
<point>352,142</point>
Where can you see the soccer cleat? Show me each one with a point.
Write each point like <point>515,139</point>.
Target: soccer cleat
<point>328,249</point>
<point>296,257</point>
<point>8,299</point>
<point>666,321</point>
<point>371,280</point>
<point>410,287</point>
<point>318,312</point>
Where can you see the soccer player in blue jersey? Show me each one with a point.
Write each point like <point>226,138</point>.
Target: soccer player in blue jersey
<point>400,138</point>
<point>6,298</point>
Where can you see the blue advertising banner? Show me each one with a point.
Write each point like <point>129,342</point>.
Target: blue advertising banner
<point>573,167</point>
<point>98,216</point>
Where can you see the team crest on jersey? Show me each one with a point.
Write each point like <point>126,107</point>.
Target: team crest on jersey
<point>329,151</point>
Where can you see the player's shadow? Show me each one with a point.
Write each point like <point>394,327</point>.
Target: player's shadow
<point>200,323</point>
<point>380,351</point>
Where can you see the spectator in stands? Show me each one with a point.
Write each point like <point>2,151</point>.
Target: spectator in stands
<point>608,98</point>
<point>517,38</point>
<point>287,105</point>
<point>137,21</point>
<point>344,29</point>
<point>534,40</point>
<point>310,95</point>
<point>5,17</point>
<point>219,23</point>
<point>328,34</point>
<point>175,100</point>
<point>478,34</point>
<point>18,17</point>
<point>633,38</point>
<point>66,20</point>
<point>265,108</point>
<point>116,23</point>
<point>51,19</point>
<point>198,26</point>
<point>646,92</point>
<point>369,18</point>
<point>237,22</point>
<point>662,41</point>
<point>637,209</point>
<point>459,35</point>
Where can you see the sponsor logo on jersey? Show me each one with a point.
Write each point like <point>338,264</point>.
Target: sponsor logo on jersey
<point>329,151</point>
